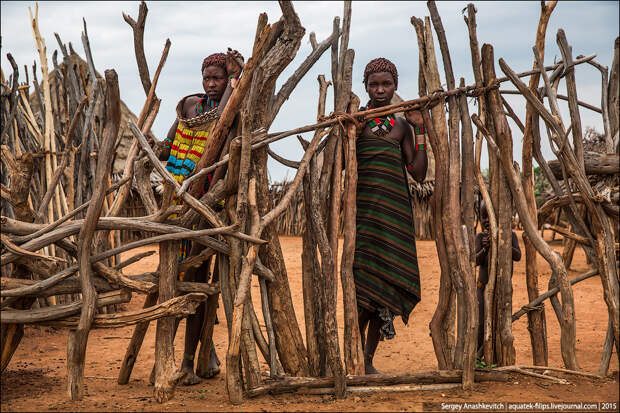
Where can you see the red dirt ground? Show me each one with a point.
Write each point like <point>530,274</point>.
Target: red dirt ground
<point>35,378</point>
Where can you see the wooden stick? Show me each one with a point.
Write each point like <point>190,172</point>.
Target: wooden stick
<point>562,97</point>
<point>63,164</point>
<point>567,323</point>
<point>608,348</point>
<point>567,371</point>
<point>466,342</point>
<point>571,91</point>
<point>233,376</point>
<point>516,369</point>
<point>266,139</point>
<point>72,285</point>
<point>177,306</point>
<point>287,88</point>
<point>536,319</point>
<point>498,125</point>
<point>429,377</point>
<point>133,259</point>
<point>6,241</point>
<point>68,216</point>
<point>166,374</point>
<point>173,233</point>
<point>568,234</point>
<point>116,277</point>
<point>76,344</point>
<point>550,293</point>
<point>61,311</point>
<point>383,389</point>
<point>489,288</point>
<point>49,119</point>
<point>134,149</point>
<point>312,284</point>
<point>602,226</point>
<point>133,349</point>
<point>138,43</point>
<point>442,325</point>
<point>204,210</point>
<point>353,351</point>
<point>275,368</point>
<point>12,96</point>
<point>328,295</point>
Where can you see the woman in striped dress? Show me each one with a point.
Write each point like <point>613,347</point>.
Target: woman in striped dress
<point>385,268</point>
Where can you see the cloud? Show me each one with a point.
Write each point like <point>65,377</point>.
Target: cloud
<point>197,29</point>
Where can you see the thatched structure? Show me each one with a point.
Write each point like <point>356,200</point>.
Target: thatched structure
<point>133,206</point>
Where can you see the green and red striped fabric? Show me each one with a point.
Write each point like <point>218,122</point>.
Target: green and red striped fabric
<point>385,267</point>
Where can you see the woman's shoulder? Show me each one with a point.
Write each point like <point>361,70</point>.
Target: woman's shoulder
<point>187,102</point>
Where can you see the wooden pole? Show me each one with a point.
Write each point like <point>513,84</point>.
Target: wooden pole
<point>567,320</point>
<point>442,324</point>
<point>465,351</point>
<point>353,351</point>
<point>535,319</point>
<point>166,374</point>
<point>76,344</point>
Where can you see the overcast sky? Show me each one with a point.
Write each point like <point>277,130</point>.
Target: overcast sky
<point>197,29</point>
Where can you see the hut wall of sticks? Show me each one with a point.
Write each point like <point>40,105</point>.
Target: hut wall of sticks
<point>72,243</point>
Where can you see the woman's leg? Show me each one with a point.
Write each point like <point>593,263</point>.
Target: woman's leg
<point>372,341</point>
<point>193,325</point>
<point>363,316</point>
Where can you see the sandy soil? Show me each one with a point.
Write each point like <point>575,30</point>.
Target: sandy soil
<point>35,378</point>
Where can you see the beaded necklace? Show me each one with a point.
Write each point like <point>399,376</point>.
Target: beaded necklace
<point>381,126</point>
<point>205,102</point>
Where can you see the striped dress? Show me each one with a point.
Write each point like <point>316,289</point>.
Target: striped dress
<point>385,267</point>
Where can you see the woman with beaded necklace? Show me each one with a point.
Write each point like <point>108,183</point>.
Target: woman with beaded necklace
<point>385,267</point>
<point>197,115</point>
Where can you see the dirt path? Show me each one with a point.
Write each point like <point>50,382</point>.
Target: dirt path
<point>35,378</point>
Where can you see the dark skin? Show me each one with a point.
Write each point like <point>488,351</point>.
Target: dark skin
<point>381,87</point>
<point>218,87</point>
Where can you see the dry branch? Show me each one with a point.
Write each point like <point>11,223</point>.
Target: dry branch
<point>138,42</point>
<point>532,305</point>
<point>147,116</point>
<point>61,311</point>
<point>76,344</point>
<point>567,320</point>
<point>430,377</point>
<point>178,306</point>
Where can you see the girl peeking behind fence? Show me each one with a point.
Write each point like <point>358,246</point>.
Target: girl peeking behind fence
<point>385,267</point>
<point>197,115</point>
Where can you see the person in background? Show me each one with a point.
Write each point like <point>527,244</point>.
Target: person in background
<point>482,245</point>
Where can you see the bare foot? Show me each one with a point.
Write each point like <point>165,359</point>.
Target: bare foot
<point>191,378</point>
<point>213,368</point>
<point>370,369</point>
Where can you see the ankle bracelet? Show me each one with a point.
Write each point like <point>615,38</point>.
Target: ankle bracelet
<point>188,356</point>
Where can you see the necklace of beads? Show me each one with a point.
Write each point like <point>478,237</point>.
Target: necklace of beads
<point>205,102</point>
<point>381,126</point>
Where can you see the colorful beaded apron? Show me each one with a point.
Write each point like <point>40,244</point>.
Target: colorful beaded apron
<point>188,147</point>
